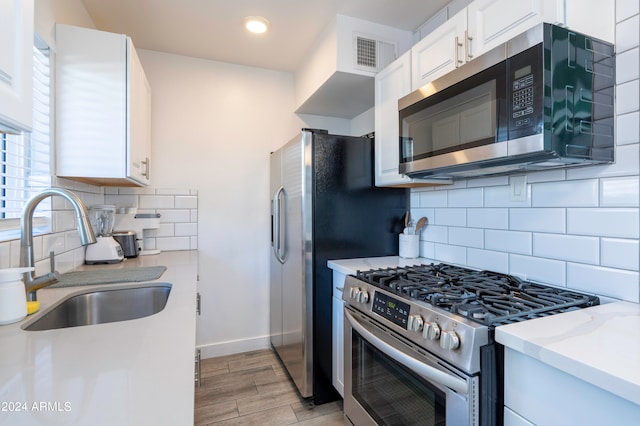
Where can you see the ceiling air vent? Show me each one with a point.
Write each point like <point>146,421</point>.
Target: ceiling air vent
<point>371,54</point>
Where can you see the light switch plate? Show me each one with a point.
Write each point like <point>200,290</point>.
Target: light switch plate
<point>518,188</point>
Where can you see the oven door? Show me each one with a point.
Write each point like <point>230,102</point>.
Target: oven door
<point>388,381</point>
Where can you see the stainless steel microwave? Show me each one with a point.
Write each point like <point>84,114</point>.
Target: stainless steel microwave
<point>543,99</point>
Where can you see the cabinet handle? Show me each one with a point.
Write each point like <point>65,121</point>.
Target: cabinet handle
<point>456,54</point>
<point>147,165</point>
<point>467,45</point>
<point>198,304</point>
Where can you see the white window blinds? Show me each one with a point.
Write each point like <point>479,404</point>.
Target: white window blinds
<point>25,162</point>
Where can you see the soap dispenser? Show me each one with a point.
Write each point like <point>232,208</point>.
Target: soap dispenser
<point>13,298</point>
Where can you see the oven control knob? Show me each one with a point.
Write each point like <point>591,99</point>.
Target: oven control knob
<point>362,296</point>
<point>353,291</point>
<point>431,331</point>
<point>415,323</point>
<point>449,340</point>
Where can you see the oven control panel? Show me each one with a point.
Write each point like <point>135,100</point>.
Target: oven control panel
<point>392,309</point>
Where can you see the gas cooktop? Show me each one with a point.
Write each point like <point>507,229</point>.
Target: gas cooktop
<point>489,298</point>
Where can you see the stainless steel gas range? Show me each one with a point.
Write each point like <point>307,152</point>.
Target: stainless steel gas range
<point>419,345</point>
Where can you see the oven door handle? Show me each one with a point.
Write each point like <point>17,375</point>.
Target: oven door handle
<point>419,367</point>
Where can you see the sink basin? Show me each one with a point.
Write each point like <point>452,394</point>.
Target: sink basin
<point>103,306</point>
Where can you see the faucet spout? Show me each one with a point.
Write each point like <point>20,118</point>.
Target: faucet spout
<point>33,283</point>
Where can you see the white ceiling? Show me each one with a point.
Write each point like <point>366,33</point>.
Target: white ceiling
<point>212,29</point>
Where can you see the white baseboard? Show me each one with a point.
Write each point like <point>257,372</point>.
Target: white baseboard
<point>213,350</point>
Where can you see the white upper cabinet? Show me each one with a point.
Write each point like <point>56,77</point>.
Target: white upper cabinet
<point>440,52</point>
<point>103,109</point>
<point>16,63</point>
<point>391,84</point>
<point>485,24</point>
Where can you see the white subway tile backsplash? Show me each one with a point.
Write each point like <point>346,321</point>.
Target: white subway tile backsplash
<point>156,202</point>
<point>605,222</point>
<point>626,9</point>
<point>583,193</point>
<point>628,128</point>
<point>176,215</point>
<point>186,202</point>
<point>173,191</point>
<point>538,269</point>
<point>433,199</point>
<point>469,237</point>
<point>627,34</point>
<point>427,250</point>
<point>627,97</point>
<point>552,175</point>
<point>469,197</point>
<point>551,220</point>
<point>499,196</point>
<point>5,256</point>
<point>627,66</point>
<point>489,260</point>
<point>488,181</point>
<point>450,217</point>
<point>567,247</point>
<point>508,241</point>
<point>173,243</point>
<point>490,218</point>
<point>619,253</point>
<point>616,283</point>
<point>620,192</point>
<point>450,254</point>
<point>186,229</point>
<point>435,234</point>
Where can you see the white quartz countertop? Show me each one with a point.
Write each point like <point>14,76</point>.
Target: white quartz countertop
<point>600,345</point>
<point>137,372</point>
<point>351,266</point>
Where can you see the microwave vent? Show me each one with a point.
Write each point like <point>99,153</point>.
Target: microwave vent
<point>371,54</point>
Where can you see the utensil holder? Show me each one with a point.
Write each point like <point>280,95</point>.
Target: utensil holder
<point>409,246</point>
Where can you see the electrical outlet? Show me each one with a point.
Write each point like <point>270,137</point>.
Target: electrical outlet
<point>518,188</point>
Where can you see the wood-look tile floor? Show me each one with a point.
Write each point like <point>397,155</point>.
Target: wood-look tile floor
<point>252,388</point>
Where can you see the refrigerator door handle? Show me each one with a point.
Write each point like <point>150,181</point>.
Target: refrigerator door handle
<point>276,223</point>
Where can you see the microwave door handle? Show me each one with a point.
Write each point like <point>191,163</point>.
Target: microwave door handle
<point>411,363</point>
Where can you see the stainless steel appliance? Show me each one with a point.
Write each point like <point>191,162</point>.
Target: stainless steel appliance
<point>128,240</point>
<point>544,99</point>
<point>419,345</point>
<point>324,206</point>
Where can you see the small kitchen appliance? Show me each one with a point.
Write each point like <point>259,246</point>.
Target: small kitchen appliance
<point>543,99</point>
<point>419,341</point>
<point>106,249</point>
<point>128,240</point>
<point>129,218</point>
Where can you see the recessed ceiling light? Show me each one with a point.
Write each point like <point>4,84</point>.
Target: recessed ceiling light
<point>256,24</point>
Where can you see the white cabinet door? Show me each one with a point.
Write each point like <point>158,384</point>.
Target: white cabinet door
<point>491,22</point>
<point>139,119</point>
<point>391,84</point>
<point>103,107</point>
<point>439,52</point>
<point>16,63</point>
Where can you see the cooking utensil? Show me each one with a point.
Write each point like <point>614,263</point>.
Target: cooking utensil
<point>422,222</point>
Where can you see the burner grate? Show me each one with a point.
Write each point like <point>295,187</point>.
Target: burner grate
<point>490,298</point>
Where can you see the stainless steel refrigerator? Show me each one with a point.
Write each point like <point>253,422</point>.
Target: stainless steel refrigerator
<point>324,206</point>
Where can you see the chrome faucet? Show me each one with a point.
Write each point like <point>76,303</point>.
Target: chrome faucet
<point>33,283</point>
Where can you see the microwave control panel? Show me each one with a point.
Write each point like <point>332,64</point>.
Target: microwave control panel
<point>525,87</point>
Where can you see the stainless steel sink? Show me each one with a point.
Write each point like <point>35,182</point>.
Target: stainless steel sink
<point>103,306</point>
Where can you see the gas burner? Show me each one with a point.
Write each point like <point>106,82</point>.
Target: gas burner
<point>490,298</point>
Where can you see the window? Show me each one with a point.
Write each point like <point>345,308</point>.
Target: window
<point>25,157</point>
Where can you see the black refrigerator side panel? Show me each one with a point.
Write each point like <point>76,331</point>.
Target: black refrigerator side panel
<point>351,218</point>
